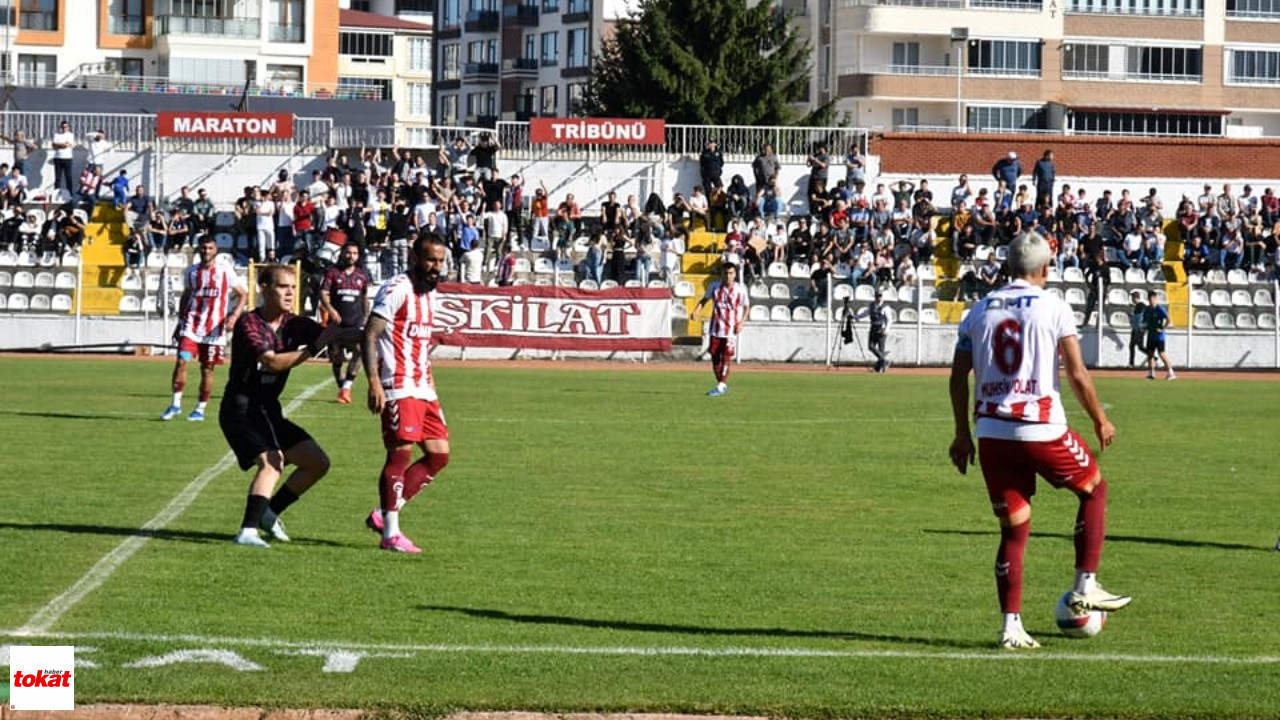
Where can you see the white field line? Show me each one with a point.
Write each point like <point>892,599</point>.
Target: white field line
<point>276,644</point>
<point>46,616</point>
<point>842,420</point>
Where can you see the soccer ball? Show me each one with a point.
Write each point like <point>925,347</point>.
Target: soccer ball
<point>1077,625</point>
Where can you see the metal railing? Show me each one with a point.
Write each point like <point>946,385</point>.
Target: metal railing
<point>1238,14</point>
<point>901,69</point>
<point>285,33</point>
<point>1085,7</point>
<point>737,142</point>
<point>36,78</point>
<point>137,132</point>
<point>244,28</point>
<point>1131,76</point>
<point>152,84</point>
<point>29,20</point>
<point>1234,79</point>
<point>126,25</point>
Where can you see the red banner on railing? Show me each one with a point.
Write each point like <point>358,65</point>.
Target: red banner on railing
<point>598,131</point>
<point>539,317</point>
<point>224,125</point>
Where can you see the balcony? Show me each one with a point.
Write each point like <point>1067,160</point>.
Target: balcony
<point>31,20</point>
<point>37,78</point>
<point>486,121</point>
<point>550,6</point>
<point>126,25</point>
<point>520,67</point>
<point>239,28</point>
<point>577,11</point>
<point>520,15</point>
<point>286,33</point>
<point>480,71</point>
<point>1150,9</point>
<point>481,21</point>
<point>550,61</point>
<point>1012,5</point>
<point>1132,76</point>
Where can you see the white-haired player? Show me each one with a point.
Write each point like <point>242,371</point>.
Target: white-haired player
<point>729,304</point>
<point>207,287</point>
<point>1011,340</point>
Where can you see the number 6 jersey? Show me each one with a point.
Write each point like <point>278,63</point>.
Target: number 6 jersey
<point>1013,335</point>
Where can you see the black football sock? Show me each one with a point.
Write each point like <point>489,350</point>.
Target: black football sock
<point>283,499</point>
<point>253,508</point>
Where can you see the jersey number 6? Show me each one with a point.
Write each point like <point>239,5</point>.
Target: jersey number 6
<point>1006,346</point>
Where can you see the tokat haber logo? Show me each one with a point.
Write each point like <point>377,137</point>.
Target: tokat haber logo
<point>41,678</point>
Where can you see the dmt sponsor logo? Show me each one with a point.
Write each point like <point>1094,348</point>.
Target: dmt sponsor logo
<point>41,678</point>
<point>595,131</point>
<point>224,125</point>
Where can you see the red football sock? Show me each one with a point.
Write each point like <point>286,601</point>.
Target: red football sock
<point>1091,528</point>
<point>391,483</point>
<point>1013,546</point>
<point>421,473</point>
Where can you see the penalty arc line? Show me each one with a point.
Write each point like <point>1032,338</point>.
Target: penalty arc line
<point>657,651</point>
<point>46,616</point>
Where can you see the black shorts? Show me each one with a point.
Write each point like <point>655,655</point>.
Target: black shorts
<point>252,429</point>
<point>341,349</point>
<point>1155,344</point>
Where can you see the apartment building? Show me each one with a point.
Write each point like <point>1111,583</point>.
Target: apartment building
<point>286,46</point>
<point>384,56</point>
<point>1144,67</point>
<point>515,59</point>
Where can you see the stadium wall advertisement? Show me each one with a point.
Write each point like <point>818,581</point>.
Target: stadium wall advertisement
<point>538,317</point>
<point>596,131</point>
<point>224,125</point>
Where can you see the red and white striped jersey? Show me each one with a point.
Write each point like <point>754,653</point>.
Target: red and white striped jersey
<point>404,362</point>
<point>729,305</point>
<point>210,300</point>
<point>1013,335</point>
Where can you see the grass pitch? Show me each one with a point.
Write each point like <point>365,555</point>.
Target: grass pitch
<point>613,540</point>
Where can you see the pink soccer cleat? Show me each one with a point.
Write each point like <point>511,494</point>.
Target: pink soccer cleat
<point>374,521</point>
<point>399,543</point>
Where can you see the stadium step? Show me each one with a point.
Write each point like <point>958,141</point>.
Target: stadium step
<point>699,262</point>
<point>705,242</point>
<point>950,311</point>
<point>1177,291</point>
<point>100,300</point>
<point>102,256</point>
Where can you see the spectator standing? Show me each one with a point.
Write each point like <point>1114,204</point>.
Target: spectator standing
<point>765,167</point>
<point>539,209</point>
<point>485,157</point>
<point>1008,169</point>
<point>877,314</point>
<point>90,182</point>
<point>264,210</point>
<point>855,166</point>
<point>97,145</point>
<point>22,149</point>
<point>1137,327</point>
<point>818,162</point>
<point>1022,427</point>
<point>120,189</point>
<point>711,165</point>
<point>495,231</point>
<point>506,266</point>
<point>63,144</point>
<point>1043,176</point>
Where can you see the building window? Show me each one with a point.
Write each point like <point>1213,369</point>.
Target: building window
<point>202,71</point>
<point>1083,60</point>
<point>362,6</point>
<point>905,118</point>
<point>39,15</point>
<point>125,18</point>
<point>1005,119</point>
<point>451,14</point>
<point>531,45</point>
<point>1144,123</point>
<point>481,104</point>
<point>363,88</point>
<point>448,109</point>
<point>419,99</point>
<point>578,47</point>
<point>1192,8</point>
<point>550,49</point>
<point>286,21</point>
<point>1253,9</point>
<point>482,51</point>
<point>550,6</point>
<point>363,43</point>
<point>37,70</point>
<point>1254,67</point>
<point>415,7</point>
<point>284,78</point>
<point>575,93</point>
<point>547,101</point>
<point>1163,63</point>
<point>578,6</point>
<point>1004,57</point>
<point>906,55</point>
<point>450,62</point>
<point>420,54</point>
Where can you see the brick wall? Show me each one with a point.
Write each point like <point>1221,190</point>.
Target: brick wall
<point>1091,156</point>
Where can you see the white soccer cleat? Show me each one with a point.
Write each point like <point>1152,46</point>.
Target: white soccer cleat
<point>271,523</point>
<point>171,412</point>
<point>250,539</point>
<point>1016,640</point>
<point>1097,599</point>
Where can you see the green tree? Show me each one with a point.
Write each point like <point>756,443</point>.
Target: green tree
<point>704,62</point>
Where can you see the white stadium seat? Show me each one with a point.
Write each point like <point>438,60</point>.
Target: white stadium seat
<point>45,279</point>
<point>1076,296</point>
<point>777,270</point>
<point>1220,298</point>
<point>1262,298</point>
<point>130,304</point>
<point>523,265</point>
<point>588,285</point>
<point>864,293</point>
<point>40,302</point>
<point>1119,319</point>
<point>779,291</point>
<point>1135,276</point>
<point>6,279</point>
<point>758,291</point>
<point>758,313</point>
<point>65,281</point>
<point>779,313</point>
<point>929,316</point>
<point>61,303</point>
<point>1237,277</point>
<point>1199,297</point>
<point>1073,275</point>
<point>1246,321</point>
<point>1117,296</point>
<point>821,315</point>
<point>23,279</point>
<point>1203,320</point>
<point>925,272</point>
<point>800,270</point>
<point>609,284</point>
<point>683,289</point>
<point>1215,277</point>
<point>1224,321</point>
<point>18,301</point>
<point>802,313</point>
<point>1267,321</point>
<point>1241,298</point>
<point>842,292</point>
<point>909,315</point>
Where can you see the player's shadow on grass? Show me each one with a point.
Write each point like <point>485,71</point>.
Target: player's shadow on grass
<point>193,536</point>
<point>73,415</point>
<point>486,614</point>
<point>1171,542</point>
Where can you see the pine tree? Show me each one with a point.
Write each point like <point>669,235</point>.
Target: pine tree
<point>703,62</point>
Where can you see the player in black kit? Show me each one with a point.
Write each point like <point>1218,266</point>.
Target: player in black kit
<point>344,301</point>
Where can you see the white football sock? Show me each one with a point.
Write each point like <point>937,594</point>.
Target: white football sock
<point>177,399</point>
<point>249,531</point>
<point>200,406</point>
<point>1013,622</point>
<point>721,386</point>
<point>390,523</point>
<point>1085,581</point>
